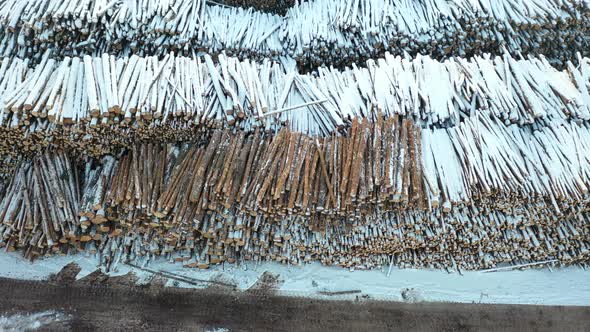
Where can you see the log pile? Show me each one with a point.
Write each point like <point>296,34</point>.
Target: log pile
<point>195,131</point>
<point>314,33</point>
<point>386,193</point>
<point>96,106</point>
<point>131,94</point>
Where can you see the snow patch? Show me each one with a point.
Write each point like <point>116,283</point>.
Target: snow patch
<point>561,286</point>
<point>34,321</point>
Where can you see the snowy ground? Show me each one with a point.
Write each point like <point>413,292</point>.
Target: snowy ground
<point>566,286</point>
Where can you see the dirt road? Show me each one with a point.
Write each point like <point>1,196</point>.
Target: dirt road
<point>108,304</point>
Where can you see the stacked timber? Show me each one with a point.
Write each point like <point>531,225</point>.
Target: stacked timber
<point>387,192</point>
<point>314,33</point>
<point>102,102</point>
<point>441,134</point>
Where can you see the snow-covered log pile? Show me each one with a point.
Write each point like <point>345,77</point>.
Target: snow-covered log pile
<point>471,196</point>
<point>103,102</point>
<point>319,32</point>
<point>96,106</point>
<point>191,130</point>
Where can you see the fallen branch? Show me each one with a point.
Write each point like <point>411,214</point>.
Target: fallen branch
<point>519,266</point>
<point>290,108</point>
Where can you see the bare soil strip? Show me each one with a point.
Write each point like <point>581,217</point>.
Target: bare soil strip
<point>100,303</point>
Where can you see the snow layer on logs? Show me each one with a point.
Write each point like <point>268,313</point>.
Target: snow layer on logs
<point>320,32</point>
<point>412,197</point>
<point>185,92</point>
<point>484,158</point>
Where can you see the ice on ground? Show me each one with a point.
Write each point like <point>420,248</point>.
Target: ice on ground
<point>34,321</point>
<point>559,286</point>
